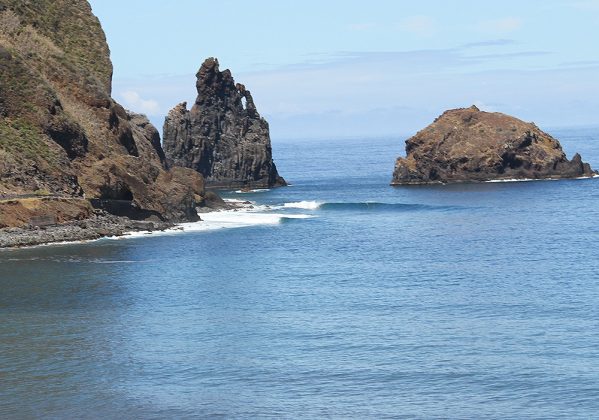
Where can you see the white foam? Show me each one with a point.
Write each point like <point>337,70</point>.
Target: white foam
<point>239,218</point>
<point>258,190</point>
<point>492,181</point>
<point>226,219</point>
<point>244,205</point>
<point>48,244</point>
<point>537,179</point>
<point>306,205</point>
<point>236,201</point>
<point>141,234</point>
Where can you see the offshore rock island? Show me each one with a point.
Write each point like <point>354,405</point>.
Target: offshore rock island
<point>222,136</point>
<point>469,145</point>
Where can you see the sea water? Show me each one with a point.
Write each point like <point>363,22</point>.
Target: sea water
<point>338,297</point>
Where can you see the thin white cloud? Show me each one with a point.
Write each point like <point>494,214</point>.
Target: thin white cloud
<point>425,60</point>
<point>136,103</point>
<point>580,63</point>
<point>423,26</point>
<point>361,26</point>
<point>502,26</point>
<point>587,5</point>
<point>483,106</point>
<point>519,54</point>
<point>490,43</point>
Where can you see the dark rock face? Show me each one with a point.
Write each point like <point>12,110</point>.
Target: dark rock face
<point>222,137</point>
<point>469,145</point>
<point>61,133</point>
<point>144,128</point>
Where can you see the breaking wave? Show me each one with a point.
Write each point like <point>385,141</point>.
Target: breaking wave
<point>362,206</point>
<point>306,205</point>
<point>257,190</point>
<point>247,215</point>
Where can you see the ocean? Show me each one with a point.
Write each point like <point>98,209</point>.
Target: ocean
<point>336,297</point>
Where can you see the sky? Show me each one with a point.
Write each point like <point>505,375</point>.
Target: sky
<point>345,68</point>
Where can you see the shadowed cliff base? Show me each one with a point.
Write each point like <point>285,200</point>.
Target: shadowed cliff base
<point>469,145</point>
<point>222,136</point>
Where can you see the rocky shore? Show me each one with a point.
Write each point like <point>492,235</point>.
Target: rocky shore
<point>100,225</point>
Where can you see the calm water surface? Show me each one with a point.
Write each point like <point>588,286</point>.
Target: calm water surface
<point>449,301</point>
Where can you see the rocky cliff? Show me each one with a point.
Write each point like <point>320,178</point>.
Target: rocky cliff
<point>469,145</point>
<point>222,137</point>
<point>61,133</point>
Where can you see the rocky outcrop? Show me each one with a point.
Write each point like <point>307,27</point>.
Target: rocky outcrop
<point>469,145</point>
<point>62,134</point>
<point>222,137</point>
<point>41,211</point>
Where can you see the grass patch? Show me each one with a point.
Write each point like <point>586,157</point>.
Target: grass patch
<point>71,26</point>
<point>42,192</point>
<point>24,141</point>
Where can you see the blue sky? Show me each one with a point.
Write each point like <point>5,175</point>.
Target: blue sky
<point>349,68</point>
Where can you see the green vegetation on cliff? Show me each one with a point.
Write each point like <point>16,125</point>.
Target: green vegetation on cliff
<point>68,26</point>
<point>24,140</point>
<point>60,130</point>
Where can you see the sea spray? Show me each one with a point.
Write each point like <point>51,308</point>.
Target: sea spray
<point>306,205</point>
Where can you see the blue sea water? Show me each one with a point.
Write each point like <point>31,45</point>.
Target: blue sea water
<point>337,297</point>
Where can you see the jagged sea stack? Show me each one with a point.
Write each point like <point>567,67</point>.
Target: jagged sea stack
<point>469,145</point>
<point>222,137</point>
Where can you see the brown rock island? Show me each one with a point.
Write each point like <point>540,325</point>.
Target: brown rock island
<point>469,145</point>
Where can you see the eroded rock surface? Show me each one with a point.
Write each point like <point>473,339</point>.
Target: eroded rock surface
<point>222,136</point>
<point>61,132</point>
<point>469,145</point>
